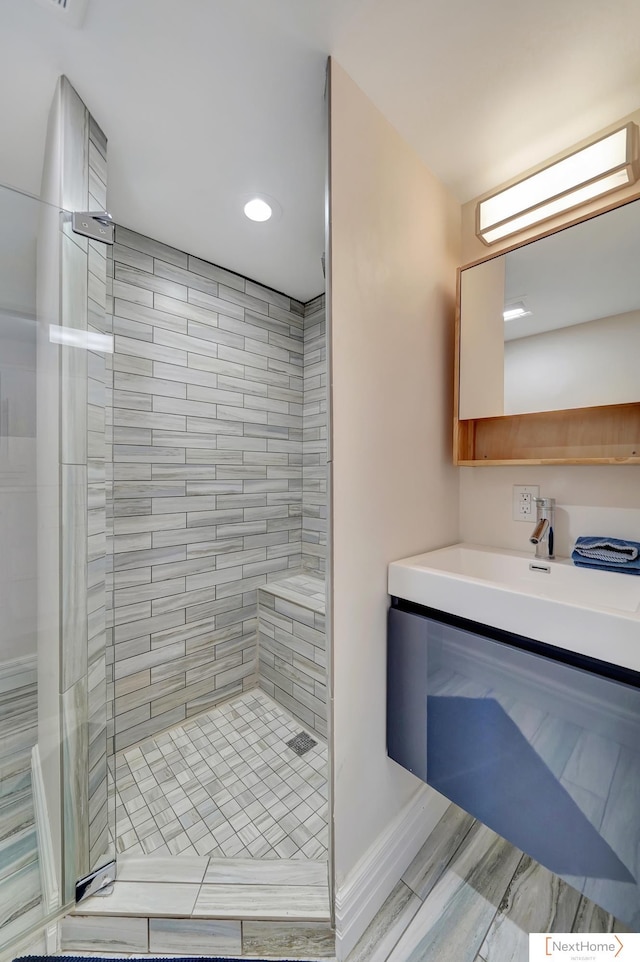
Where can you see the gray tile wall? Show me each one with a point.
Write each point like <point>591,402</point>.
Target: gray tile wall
<point>314,433</point>
<point>207,489</point>
<point>292,652</point>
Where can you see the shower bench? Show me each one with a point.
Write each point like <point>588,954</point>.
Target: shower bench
<point>291,647</point>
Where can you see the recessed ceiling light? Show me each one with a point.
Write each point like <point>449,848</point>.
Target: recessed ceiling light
<point>257,209</point>
<point>514,310</point>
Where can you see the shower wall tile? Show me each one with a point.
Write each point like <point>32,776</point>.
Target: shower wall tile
<point>215,273</point>
<point>314,447</point>
<point>138,733</point>
<point>208,467</point>
<point>291,662</point>
<point>145,245</point>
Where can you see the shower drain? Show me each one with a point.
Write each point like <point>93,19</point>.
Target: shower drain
<point>301,743</point>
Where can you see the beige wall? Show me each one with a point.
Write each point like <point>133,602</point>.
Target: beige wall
<point>603,500</point>
<point>395,247</point>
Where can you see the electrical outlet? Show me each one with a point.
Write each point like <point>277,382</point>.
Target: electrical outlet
<point>524,506</point>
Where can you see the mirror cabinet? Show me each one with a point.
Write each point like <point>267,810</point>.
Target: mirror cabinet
<point>548,347</point>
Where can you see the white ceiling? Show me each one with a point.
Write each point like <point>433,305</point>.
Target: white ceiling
<point>206,101</point>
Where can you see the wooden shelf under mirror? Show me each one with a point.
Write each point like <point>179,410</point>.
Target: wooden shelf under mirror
<point>597,435</point>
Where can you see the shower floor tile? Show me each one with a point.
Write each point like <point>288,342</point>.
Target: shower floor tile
<point>224,784</point>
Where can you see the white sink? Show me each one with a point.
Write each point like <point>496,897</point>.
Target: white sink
<point>596,613</point>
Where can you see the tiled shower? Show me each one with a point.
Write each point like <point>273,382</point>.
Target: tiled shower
<point>210,482</point>
<point>219,493</point>
<point>170,465</point>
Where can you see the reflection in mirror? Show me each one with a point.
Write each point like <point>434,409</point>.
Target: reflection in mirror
<point>554,324</point>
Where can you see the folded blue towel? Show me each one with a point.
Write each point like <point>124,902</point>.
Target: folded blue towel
<point>608,554</point>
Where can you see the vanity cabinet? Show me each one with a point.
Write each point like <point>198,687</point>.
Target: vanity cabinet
<point>547,347</point>
<point>540,744</point>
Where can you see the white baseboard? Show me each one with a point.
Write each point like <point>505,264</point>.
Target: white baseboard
<point>374,877</point>
<point>50,892</point>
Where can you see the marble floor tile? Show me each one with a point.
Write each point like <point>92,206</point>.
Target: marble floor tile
<point>488,898</point>
<point>591,918</point>
<point>156,868</point>
<point>535,901</point>
<point>453,920</point>
<point>288,940</point>
<point>200,936</point>
<point>224,784</point>
<point>263,902</point>
<point>145,899</point>
<point>90,933</point>
<point>270,872</point>
<point>383,933</point>
<point>438,850</point>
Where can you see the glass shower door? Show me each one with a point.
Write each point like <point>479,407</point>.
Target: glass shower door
<point>21,901</point>
<point>54,457</point>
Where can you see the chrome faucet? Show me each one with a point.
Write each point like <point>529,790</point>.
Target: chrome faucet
<point>544,529</point>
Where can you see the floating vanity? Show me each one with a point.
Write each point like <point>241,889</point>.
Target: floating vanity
<point>514,690</point>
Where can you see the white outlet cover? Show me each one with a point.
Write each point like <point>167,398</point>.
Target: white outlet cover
<point>533,490</point>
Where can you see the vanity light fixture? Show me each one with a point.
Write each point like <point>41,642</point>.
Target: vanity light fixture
<point>604,166</point>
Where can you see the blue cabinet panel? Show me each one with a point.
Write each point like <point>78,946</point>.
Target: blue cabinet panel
<point>543,751</point>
